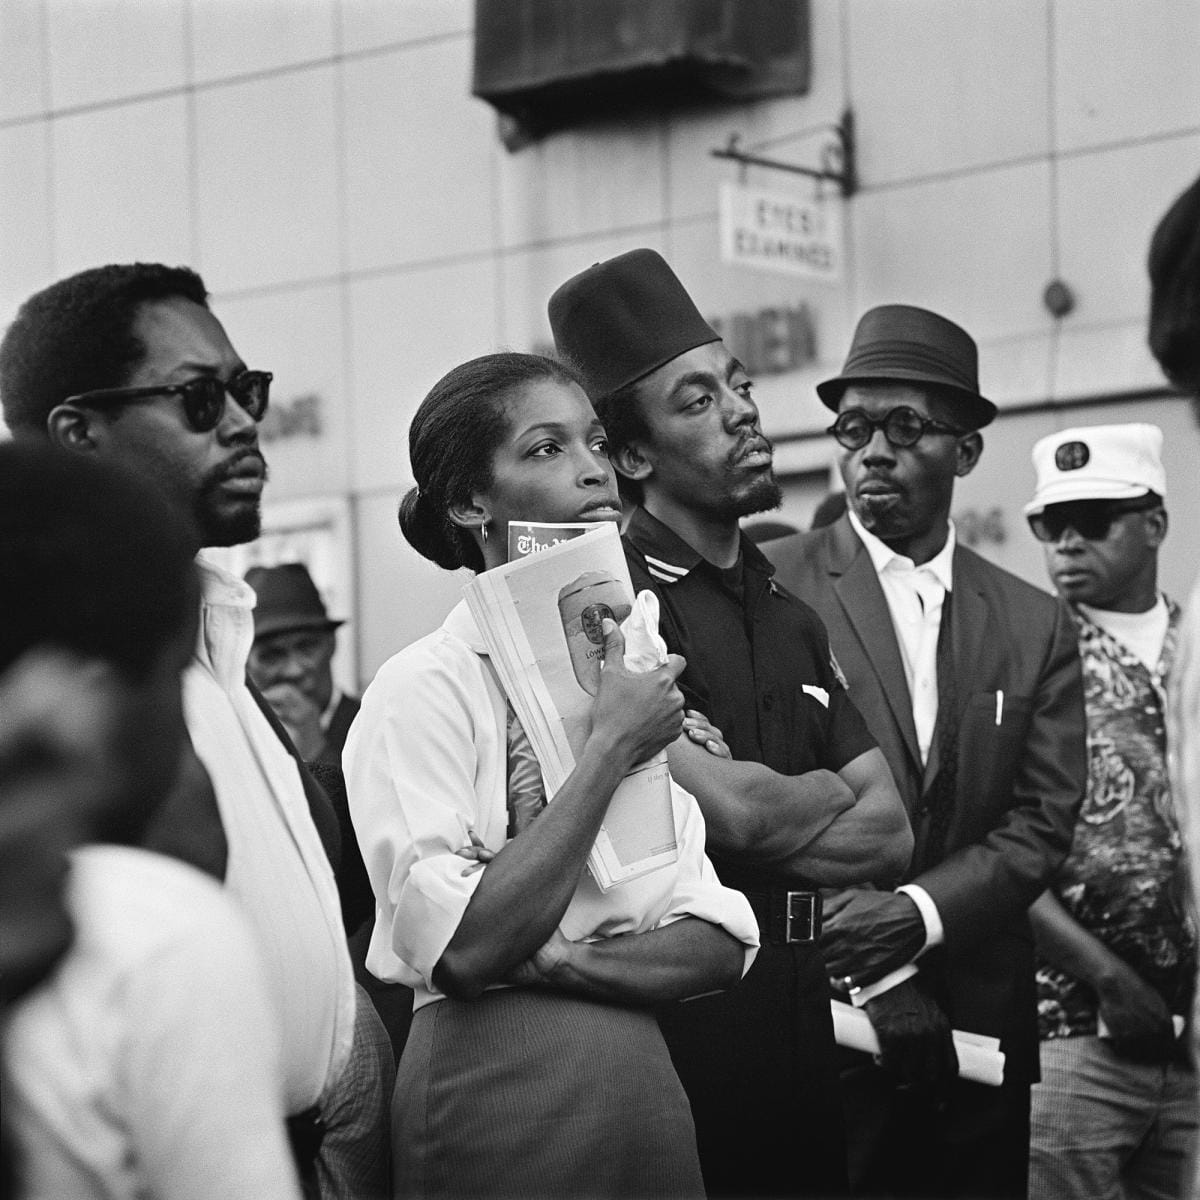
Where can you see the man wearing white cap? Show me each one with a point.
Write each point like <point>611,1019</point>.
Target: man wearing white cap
<point>1114,1113</point>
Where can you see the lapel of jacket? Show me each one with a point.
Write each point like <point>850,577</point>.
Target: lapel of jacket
<point>857,588</point>
<point>968,624</point>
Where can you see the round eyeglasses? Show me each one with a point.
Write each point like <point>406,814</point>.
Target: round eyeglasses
<point>901,426</point>
<point>203,397</point>
<point>1092,520</point>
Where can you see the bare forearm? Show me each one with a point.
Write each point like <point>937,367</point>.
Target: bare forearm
<point>755,814</point>
<point>1065,944</point>
<point>869,843</point>
<point>686,958</point>
<point>526,888</point>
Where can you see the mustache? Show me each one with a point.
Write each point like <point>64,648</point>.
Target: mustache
<point>748,445</point>
<point>234,465</point>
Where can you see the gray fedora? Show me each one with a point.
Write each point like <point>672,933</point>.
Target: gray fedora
<point>898,343</point>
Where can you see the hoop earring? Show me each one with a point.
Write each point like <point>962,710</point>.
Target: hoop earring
<point>483,532</point>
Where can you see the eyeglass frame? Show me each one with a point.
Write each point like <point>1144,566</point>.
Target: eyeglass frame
<point>1112,510</point>
<point>927,424</point>
<point>101,396</point>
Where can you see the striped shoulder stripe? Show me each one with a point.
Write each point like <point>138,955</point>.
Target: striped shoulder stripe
<point>662,577</point>
<point>668,568</point>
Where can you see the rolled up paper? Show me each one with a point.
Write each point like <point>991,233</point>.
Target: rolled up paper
<point>980,1058</point>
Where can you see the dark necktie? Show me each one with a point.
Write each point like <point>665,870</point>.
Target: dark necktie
<point>941,795</point>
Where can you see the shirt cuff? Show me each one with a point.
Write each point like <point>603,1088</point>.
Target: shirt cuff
<point>935,935</point>
<point>860,995</point>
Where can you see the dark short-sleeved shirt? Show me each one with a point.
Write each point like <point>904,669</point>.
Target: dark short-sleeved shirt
<point>758,1062</point>
<point>758,659</point>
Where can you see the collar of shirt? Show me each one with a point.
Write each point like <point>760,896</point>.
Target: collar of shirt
<point>884,558</point>
<point>915,596</point>
<point>1141,636</point>
<point>669,558</point>
<point>463,626</point>
<point>226,623</point>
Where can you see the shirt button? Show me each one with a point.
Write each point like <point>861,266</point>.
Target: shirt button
<point>768,702</point>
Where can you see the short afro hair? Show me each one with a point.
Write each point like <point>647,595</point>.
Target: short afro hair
<point>92,560</point>
<point>77,335</point>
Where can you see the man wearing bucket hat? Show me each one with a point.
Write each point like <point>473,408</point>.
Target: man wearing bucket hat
<point>969,678</point>
<point>1114,1111</point>
<point>807,799</point>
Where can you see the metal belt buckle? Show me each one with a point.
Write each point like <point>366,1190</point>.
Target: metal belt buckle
<point>801,915</point>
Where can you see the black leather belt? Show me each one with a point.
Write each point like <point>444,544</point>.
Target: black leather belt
<point>785,917</point>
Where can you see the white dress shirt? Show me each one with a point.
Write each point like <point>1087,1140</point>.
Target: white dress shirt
<point>916,596</point>
<point>277,866</point>
<point>421,775</point>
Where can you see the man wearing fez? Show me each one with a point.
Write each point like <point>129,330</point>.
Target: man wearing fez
<point>1115,1111</point>
<point>970,679</point>
<point>807,799</point>
<point>127,363</point>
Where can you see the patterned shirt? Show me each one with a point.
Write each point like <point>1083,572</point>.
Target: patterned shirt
<point>1123,880</point>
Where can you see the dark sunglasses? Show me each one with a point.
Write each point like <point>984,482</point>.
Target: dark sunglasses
<point>1092,520</point>
<point>203,397</point>
<point>901,426</point>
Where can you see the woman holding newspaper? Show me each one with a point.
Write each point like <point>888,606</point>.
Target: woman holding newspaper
<point>534,1065</point>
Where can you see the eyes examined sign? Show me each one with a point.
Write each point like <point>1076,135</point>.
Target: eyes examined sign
<point>775,231</point>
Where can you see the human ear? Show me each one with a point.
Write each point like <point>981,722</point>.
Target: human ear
<point>1156,526</point>
<point>631,463</point>
<point>471,515</point>
<point>72,428</point>
<point>967,453</point>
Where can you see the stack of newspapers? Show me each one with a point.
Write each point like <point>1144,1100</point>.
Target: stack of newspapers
<point>541,617</point>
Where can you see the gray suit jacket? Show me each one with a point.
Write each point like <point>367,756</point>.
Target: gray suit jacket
<point>1020,778</point>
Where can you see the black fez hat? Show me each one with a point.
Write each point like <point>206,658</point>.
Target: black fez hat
<point>621,319</point>
<point>1175,290</point>
<point>287,599</point>
<point>897,343</point>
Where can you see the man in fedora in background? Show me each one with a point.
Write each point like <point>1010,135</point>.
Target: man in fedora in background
<point>291,663</point>
<point>807,799</point>
<point>969,677</point>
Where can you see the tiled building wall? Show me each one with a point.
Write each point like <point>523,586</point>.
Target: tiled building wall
<point>323,164</point>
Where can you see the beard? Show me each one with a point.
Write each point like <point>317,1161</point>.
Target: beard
<point>223,520</point>
<point>763,495</point>
<point>230,528</point>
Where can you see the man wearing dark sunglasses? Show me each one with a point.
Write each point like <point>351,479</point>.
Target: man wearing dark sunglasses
<point>969,678</point>
<point>1115,1110</point>
<point>128,363</point>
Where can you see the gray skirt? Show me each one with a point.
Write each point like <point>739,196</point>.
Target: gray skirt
<point>537,1094</point>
